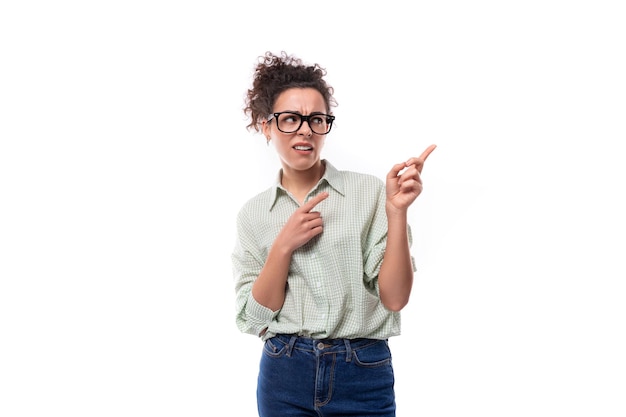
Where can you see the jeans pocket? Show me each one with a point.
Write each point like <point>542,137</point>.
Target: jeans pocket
<point>373,355</point>
<point>274,347</point>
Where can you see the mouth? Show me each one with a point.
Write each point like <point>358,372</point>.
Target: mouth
<point>303,148</point>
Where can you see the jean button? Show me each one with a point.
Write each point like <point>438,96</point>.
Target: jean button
<point>320,346</point>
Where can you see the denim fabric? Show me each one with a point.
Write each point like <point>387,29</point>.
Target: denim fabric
<point>299,376</point>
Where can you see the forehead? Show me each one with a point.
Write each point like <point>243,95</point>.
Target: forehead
<point>300,99</point>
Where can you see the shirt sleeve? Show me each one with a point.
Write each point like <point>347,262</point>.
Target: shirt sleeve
<point>247,262</point>
<point>376,243</point>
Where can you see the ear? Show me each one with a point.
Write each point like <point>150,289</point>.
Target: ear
<point>266,129</point>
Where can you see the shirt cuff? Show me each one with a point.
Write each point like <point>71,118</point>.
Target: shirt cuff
<point>259,316</point>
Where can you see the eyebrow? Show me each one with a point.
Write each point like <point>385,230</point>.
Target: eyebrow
<point>297,112</point>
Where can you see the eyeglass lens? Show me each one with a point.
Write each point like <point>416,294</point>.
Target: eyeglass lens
<point>291,122</point>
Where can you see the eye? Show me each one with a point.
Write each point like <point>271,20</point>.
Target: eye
<point>318,120</point>
<point>290,118</point>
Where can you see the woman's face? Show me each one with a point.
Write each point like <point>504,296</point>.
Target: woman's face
<point>299,150</point>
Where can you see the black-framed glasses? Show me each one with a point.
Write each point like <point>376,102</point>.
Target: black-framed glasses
<point>290,122</point>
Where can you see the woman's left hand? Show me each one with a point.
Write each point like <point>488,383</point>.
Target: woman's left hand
<point>404,185</point>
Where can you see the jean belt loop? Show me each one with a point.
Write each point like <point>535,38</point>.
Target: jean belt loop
<point>292,342</point>
<point>348,350</point>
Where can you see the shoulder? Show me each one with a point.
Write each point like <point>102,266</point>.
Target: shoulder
<point>363,184</point>
<point>360,177</point>
<point>353,181</point>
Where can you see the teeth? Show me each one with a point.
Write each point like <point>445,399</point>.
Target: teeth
<point>303,148</point>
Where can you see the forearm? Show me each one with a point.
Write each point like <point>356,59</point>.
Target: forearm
<point>395,279</point>
<point>269,287</point>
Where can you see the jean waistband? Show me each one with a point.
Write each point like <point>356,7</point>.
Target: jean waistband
<point>323,345</point>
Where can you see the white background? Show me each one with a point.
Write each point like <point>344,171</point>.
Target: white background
<point>124,158</point>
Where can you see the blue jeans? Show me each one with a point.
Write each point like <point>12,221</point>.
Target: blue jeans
<point>299,376</point>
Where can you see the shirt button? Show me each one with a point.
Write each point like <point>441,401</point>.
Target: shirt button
<point>320,346</point>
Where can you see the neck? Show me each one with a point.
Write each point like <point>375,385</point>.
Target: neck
<point>299,183</point>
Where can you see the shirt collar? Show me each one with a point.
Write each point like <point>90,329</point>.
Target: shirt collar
<point>331,176</point>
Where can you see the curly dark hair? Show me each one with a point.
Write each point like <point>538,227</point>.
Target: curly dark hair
<point>277,73</point>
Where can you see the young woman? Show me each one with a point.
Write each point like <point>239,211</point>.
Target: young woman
<point>322,263</point>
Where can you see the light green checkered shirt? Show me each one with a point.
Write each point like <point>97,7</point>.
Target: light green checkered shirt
<point>332,287</point>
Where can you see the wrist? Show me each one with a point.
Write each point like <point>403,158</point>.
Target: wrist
<point>395,212</point>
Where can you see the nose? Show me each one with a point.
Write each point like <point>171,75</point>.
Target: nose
<point>305,129</point>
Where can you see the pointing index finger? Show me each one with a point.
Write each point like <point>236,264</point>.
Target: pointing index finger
<point>427,152</point>
<point>314,201</point>
<point>419,162</point>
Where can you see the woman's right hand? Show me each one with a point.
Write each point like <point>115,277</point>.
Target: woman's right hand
<point>303,225</point>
